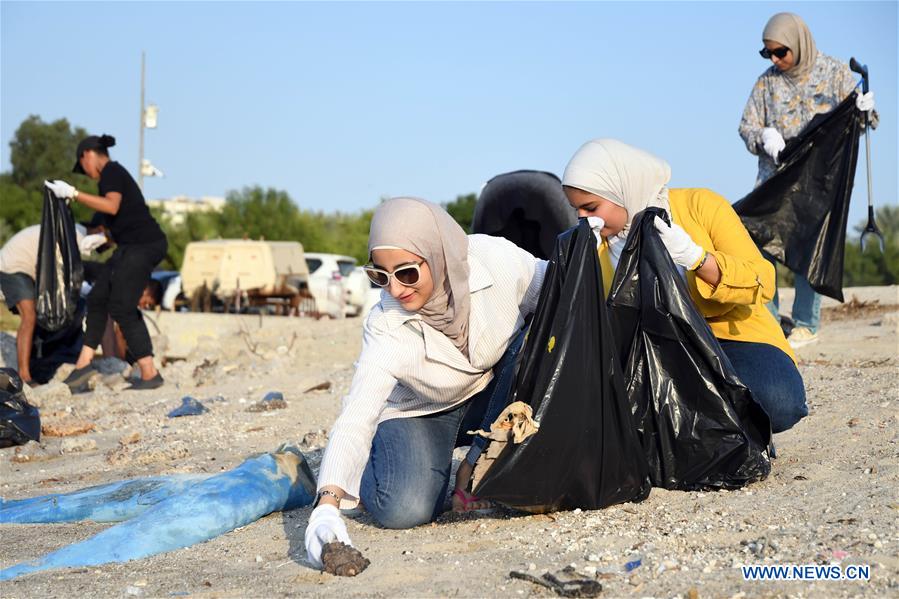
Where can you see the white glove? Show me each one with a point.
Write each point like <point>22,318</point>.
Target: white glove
<point>61,189</point>
<point>684,251</point>
<point>773,142</point>
<point>89,243</point>
<point>864,102</point>
<point>596,223</point>
<point>325,525</point>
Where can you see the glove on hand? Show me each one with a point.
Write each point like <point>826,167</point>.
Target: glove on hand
<point>773,142</point>
<point>325,525</point>
<point>864,102</point>
<point>596,223</point>
<point>61,189</point>
<point>89,243</point>
<point>684,251</point>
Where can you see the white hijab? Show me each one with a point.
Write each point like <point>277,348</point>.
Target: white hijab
<point>624,175</point>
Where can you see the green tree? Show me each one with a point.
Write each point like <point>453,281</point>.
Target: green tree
<point>462,210</point>
<point>40,151</point>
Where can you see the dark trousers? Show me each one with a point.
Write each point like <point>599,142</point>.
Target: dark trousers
<point>773,378</point>
<point>115,293</point>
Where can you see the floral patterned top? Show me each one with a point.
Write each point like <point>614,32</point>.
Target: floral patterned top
<point>786,105</point>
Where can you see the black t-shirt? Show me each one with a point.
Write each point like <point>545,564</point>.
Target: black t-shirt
<point>133,223</point>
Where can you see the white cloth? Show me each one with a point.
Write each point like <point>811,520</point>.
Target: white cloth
<point>407,368</point>
<point>19,253</point>
<point>61,189</point>
<point>325,525</point>
<point>773,142</point>
<point>865,102</point>
<point>91,242</point>
<point>625,175</point>
<point>596,223</point>
<point>683,250</point>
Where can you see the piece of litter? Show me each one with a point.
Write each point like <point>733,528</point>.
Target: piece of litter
<point>319,387</point>
<point>189,407</point>
<point>633,565</point>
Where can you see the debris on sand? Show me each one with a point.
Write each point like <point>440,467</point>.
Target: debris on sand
<point>205,371</point>
<point>343,560</point>
<point>855,308</point>
<point>314,440</point>
<point>564,583</point>
<point>58,424</point>
<point>273,400</point>
<point>189,407</point>
<point>319,387</point>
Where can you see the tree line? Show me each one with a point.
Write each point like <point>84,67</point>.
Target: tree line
<point>42,150</point>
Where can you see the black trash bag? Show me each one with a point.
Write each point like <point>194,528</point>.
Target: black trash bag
<point>526,207</point>
<point>52,349</point>
<point>586,453</point>
<point>699,425</point>
<point>19,420</point>
<point>59,268</point>
<point>799,215</point>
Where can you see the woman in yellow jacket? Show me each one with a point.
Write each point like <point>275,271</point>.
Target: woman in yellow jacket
<point>728,279</point>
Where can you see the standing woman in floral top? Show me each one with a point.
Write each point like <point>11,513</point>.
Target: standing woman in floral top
<point>801,83</point>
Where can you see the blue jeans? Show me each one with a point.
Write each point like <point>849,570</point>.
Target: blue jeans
<point>405,481</point>
<point>806,303</point>
<point>773,378</point>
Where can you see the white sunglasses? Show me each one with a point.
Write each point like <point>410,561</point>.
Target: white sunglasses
<point>406,276</point>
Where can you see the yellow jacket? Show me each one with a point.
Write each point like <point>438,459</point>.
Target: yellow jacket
<point>735,309</point>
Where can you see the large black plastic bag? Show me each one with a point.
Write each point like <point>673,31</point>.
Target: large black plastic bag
<point>526,207</point>
<point>19,420</point>
<point>586,453</point>
<point>59,268</point>
<point>799,215</point>
<point>52,349</point>
<point>699,425</point>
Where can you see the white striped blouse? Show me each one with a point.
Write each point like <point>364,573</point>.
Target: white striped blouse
<point>409,369</point>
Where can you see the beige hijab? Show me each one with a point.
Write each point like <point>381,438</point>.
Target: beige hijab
<point>791,31</point>
<point>427,230</point>
<point>625,175</point>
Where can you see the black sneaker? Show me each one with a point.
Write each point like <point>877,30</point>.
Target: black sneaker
<point>77,379</point>
<point>143,385</point>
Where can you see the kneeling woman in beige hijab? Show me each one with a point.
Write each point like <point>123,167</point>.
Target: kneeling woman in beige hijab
<point>728,279</point>
<point>437,360</point>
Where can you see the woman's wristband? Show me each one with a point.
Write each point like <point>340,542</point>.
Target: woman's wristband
<point>705,256</point>
<point>75,195</point>
<point>325,493</point>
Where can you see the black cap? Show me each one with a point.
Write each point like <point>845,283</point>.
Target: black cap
<point>97,220</point>
<point>91,142</point>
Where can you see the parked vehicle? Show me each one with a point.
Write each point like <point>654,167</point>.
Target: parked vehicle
<point>236,270</point>
<point>327,272</point>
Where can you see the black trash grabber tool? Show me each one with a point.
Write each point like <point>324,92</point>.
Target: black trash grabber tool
<point>871,227</point>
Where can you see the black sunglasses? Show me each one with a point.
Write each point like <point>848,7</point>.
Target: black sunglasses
<point>778,52</point>
<point>406,276</point>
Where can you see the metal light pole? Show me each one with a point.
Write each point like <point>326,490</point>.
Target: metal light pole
<point>148,116</point>
<point>140,158</point>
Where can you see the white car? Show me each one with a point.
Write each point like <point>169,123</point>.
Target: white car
<point>337,284</point>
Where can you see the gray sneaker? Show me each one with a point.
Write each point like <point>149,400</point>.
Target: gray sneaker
<point>143,385</point>
<point>77,379</point>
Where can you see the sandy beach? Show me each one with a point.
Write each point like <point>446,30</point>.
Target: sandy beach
<point>831,497</point>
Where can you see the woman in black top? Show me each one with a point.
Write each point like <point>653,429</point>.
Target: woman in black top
<point>140,246</point>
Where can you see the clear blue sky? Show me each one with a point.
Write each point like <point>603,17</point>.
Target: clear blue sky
<point>343,103</point>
